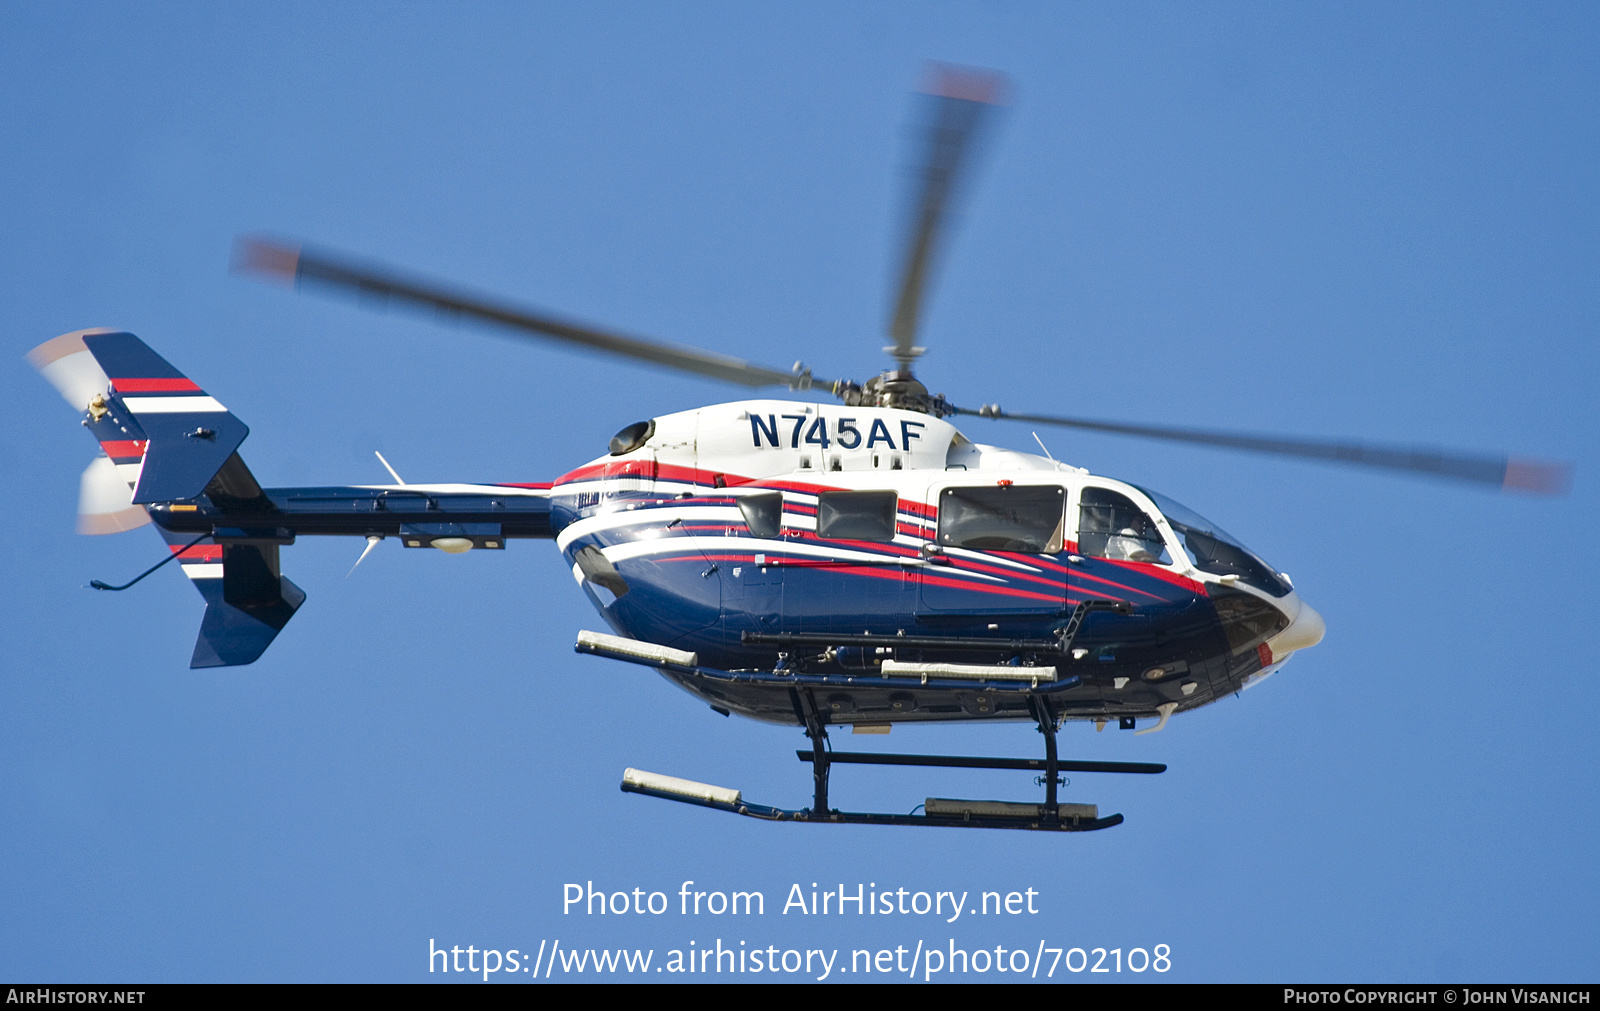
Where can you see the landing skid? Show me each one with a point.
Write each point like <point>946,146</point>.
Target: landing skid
<point>1035,822</point>
<point>1050,816</point>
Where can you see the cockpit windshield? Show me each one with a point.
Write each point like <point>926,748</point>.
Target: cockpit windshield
<point>1213,549</point>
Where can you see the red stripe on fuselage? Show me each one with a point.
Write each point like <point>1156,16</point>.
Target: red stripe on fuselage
<point>1142,568</point>
<point>870,546</point>
<point>178,385</point>
<point>1009,591</point>
<point>664,472</point>
<point>865,569</point>
<point>802,487</point>
<point>888,572</point>
<point>968,565</point>
<point>1146,569</point>
<point>1120,586</point>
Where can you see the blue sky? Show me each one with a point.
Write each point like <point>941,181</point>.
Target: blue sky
<point>1371,221</point>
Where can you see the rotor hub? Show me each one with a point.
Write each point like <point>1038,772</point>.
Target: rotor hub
<point>896,388</point>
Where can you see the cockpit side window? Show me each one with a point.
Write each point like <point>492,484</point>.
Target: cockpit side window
<point>1111,526</point>
<point>1027,518</point>
<point>1211,553</point>
<point>1212,549</point>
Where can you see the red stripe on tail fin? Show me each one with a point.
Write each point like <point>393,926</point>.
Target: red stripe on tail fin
<point>177,385</point>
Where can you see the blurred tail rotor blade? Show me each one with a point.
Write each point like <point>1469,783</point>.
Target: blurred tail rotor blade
<point>105,500</point>
<point>372,542</point>
<point>66,363</point>
<point>959,100</point>
<point>294,265</point>
<point>1537,477</point>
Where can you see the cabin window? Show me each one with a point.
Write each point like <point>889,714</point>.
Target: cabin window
<point>857,515</point>
<point>763,514</point>
<point>1026,518</point>
<point>1111,526</point>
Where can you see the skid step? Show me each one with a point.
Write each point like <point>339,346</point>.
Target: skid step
<point>946,808</point>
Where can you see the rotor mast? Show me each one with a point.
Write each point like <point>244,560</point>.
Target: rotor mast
<point>959,102</point>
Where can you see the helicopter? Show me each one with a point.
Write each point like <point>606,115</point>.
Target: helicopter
<point>854,562</point>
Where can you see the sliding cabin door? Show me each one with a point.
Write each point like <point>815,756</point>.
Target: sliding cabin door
<point>997,551</point>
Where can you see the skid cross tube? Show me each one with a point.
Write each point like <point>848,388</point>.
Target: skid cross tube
<point>1052,766</point>
<point>962,762</point>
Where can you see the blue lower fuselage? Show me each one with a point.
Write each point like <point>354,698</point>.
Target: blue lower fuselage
<point>686,571</point>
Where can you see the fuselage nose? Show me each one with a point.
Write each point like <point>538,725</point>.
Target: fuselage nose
<point>1306,629</point>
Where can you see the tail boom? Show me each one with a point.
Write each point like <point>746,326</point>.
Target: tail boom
<point>169,453</point>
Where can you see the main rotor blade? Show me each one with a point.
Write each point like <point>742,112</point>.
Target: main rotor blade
<point>959,98</point>
<point>1539,477</point>
<point>295,265</point>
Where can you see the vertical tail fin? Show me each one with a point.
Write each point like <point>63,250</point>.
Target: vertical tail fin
<point>137,404</point>
<point>189,435</point>
<point>248,601</point>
